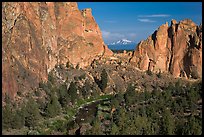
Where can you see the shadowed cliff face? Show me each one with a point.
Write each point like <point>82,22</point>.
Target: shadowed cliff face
<point>176,49</point>
<point>37,36</point>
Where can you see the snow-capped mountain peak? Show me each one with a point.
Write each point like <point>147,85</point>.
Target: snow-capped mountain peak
<point>121,42</point>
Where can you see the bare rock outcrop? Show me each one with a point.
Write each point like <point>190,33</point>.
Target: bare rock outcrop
<point>38,36</point>
<point>176,49</point>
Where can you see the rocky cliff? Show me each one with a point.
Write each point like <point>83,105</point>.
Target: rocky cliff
<point>176,49</point>
<point>38,36</point>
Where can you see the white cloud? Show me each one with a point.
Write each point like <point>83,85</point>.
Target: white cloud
<point>132,34</point>
<point>154,15</point>
<point>146,20</point>
<point>111,35</point>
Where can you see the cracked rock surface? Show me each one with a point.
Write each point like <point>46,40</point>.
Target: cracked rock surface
<point>176,49</point>
<point>37,36</point>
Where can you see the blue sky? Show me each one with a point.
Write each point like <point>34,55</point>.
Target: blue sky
<point>137,20</point>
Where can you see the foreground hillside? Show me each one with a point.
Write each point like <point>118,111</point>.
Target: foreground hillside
<point>100,100</point>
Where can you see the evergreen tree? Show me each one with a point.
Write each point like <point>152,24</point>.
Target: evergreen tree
<point>193,127</point>
<point>7,116</point>
<point>114,129</point>
<point>51,78</point>
<point>155,93</point>
<point>115,103</point>
<point>104,80</point>
<point>54,107</point>
<point>96,128</point>
<point>179,125</point>
<point>175,107</point>
<point>121,119</point>
<point>147,95</point>
<point>19,119</point>
<point>85,89</point>
<point>72,92</point>
<point>32,113</point>
<point>63,95</point>
<point>167,123</point>
<point>142,125</point>
<point>130,95</point>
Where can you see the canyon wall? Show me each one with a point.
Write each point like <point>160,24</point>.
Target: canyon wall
<point>37,36</point>
<point>176,49</point>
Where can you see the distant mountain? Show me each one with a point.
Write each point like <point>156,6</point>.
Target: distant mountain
<point>122,44</point>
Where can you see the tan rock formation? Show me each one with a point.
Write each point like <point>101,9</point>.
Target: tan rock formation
<point>176,49</point>
<point>37,36</point>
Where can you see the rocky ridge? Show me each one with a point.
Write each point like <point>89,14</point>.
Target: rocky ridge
<point>176,49</point>
<point>38,36</point>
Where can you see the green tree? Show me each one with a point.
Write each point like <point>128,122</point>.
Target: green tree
<point>142,125</point>
<point>193,95</point>
<point>175,107</point>
<point>142,111</point>
<point>121,119</point>
<point>63,95</point>
<point>167,123</point>
<point>72,92</point>
<point>114,103</point>
<point>130,95</point>
<point>155,93</point>
<point>19,118</point>
<point>51,78</point>
<point>179,125</point>
<point>177,89</point>
<point>167,96</point>
<point>114,129</point>
<point>147,95</point>
<point>104,80</point>
<point>96,128</point>
<point>120,97</point>
<point>53,107</point>
<point>7,116</point>
<point>193,127</point>
<point>85,89</point>
<point>32,113</point>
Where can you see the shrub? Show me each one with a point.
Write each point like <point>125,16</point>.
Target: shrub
<point>149,72</point>
<point>77,66</point>
<point>83,76</point>
<point>19,93</point>
<point>159,74</point>
<point>37,93</point>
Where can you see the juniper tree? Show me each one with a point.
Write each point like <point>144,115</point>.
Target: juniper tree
<point>72,92</point>
<point>104,80</point>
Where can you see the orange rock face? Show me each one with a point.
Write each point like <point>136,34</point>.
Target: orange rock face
<point>176,49</point>
<point>37,36</point>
